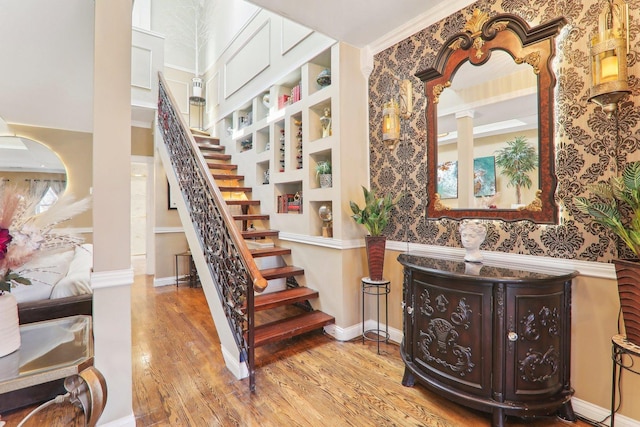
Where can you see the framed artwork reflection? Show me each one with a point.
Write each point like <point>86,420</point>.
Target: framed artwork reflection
<point>447,176</point>
<point>484,176</point>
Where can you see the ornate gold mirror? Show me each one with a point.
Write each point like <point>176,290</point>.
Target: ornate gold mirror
<point>490,121</point>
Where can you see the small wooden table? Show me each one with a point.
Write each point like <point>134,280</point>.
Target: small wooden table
<point>50,351</point>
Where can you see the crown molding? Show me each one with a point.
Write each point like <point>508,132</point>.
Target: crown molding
<point>420,22</point>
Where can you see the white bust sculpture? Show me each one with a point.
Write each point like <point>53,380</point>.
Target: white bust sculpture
<point>472,234</point>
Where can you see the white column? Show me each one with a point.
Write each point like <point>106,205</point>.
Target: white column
<point>464,121</point>
<point>112,276</point>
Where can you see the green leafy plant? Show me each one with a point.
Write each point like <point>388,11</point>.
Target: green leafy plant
<point>376,212</point>
<point>517,159</point>
<point>612,200</point>
<point>9,278</point>
<point>323,167</point>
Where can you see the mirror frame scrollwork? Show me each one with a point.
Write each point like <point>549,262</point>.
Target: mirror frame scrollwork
<point>534,46</point>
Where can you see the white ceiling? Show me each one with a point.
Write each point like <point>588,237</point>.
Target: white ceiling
<point>357,22</point>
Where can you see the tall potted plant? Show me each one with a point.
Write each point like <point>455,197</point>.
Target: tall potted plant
<point>616,205</point>
<point>374,215</point>
<point>517,159</point>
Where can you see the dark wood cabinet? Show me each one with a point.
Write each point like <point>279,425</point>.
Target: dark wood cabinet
<point>492,338</point>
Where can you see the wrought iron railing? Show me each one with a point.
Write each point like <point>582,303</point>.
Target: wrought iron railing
<point>230,263</point>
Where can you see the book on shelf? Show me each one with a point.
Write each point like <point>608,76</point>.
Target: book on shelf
<point>283,101</point>
<point>296,93</point>
<point>290,203</point>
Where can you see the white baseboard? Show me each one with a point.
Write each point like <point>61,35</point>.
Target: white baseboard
<point>128,421</point>
<point>164,281</point>
<point>597,413</point>
<point>355,331</point>
<point>234,365</point>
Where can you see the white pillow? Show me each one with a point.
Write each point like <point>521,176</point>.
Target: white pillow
<point>78,278</point>
<point>35,292</point>
<point>44,272</point>
<point>47,269</point>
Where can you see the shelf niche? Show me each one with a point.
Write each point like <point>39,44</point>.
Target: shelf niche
<point>316,112</point>
<point>314,159</point>
<point>318,226</point>
<point>289,198</point>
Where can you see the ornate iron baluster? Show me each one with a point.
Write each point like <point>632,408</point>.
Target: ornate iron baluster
<point>227,266</point>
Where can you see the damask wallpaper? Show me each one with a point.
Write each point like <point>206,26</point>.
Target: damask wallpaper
<point>585,138</point>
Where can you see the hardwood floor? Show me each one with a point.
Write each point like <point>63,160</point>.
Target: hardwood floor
<point>179,378</point>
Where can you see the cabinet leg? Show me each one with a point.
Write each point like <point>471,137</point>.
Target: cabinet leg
<point>408,380</point>
<point>566,412</point>
<point>498,418</point>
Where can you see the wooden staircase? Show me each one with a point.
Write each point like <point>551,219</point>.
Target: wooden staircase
<point>229,184</point>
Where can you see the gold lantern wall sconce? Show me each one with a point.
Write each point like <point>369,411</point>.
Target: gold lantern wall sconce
<point>609,47</point>
<point>394,110</point>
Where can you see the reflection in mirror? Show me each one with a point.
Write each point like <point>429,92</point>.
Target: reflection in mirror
<point>485,107</point>
<point>33,168</point>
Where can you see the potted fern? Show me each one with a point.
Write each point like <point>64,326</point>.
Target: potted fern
<point>616,205</point>
<point>517,159</point>
<point>374,215</point>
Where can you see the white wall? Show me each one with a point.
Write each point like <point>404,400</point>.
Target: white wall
<point>227,20</point>
<point>175,19</point>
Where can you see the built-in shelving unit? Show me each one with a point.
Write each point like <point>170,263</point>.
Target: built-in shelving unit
<point>281,131</point>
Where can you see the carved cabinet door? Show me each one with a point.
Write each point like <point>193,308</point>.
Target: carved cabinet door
<point>451,336</point>
<point>536,353</point>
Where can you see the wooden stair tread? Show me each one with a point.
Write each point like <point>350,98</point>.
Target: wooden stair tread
<point>230,177</point>
<point>205,149</point>
<point>291,327</point>
<point>227,189</point>
<point>222,166</point>
<point>216,156</point>
<point>199,132</point>
<point>210,146</point>
<point>251,217</point>
<point>252,234</point>
<point>281,272</point>
<point>286,297</point>
<point>242,202</point>
<point>271,251</point>
<point>207,139</point>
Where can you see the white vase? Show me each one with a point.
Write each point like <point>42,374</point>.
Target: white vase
<point>9,325</point>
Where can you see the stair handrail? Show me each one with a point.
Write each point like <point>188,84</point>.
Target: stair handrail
<point>229,260</point>
<point>259,282</point>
